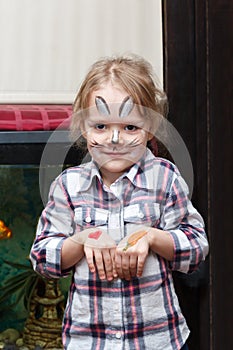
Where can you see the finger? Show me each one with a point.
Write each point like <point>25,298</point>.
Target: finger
<point>99,263</point>
<point>140,265</point>
<point>114,271</point>
<point>133,265</point>
<point>89,257</point>
<point>118,265</point>
<point>125,267</point>
<point>108,264</point>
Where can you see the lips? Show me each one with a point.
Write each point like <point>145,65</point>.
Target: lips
<point>115,154</point>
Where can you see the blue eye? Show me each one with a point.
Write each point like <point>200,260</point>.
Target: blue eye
<point>131,128</point>
<point>100,126</point>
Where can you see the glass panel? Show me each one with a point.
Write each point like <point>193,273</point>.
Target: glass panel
<point>20,208</point>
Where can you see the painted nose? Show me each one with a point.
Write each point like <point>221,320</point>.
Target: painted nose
<point>115,136</point>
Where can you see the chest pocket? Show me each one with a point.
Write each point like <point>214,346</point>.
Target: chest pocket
<point>88,216</point>
<point>147,214</point>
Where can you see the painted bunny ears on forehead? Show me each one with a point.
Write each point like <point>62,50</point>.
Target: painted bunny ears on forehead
<point>124,110</point>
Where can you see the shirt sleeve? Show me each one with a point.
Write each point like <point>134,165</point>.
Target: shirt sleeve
<point>54,226</point>
<point>186,227</point>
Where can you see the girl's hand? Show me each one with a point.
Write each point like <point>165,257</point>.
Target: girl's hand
<point>131,254</point>
<point>102,260</point>
<point>99,249</point>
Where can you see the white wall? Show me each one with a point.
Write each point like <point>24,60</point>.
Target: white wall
<point>46,46</point>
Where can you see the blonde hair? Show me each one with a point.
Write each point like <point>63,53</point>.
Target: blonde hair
<point>133,73</point>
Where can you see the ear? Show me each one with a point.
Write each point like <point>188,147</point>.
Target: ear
<point>149,136</point>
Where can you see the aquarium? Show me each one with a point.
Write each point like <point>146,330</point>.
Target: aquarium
<point>20,208</point>
<point>24,185</point>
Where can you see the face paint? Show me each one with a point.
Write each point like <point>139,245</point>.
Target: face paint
<point>95,235</point>
<point>115,136</point>
<point>126,107</point>
<point>143,132</point>
<point>102,106</point>
<point>124,110</point>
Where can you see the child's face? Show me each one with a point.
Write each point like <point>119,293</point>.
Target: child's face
<point>114,142</point>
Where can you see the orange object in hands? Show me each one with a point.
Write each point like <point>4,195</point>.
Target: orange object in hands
<point>134,238</point>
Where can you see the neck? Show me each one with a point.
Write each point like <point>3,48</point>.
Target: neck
<point>109,177</point>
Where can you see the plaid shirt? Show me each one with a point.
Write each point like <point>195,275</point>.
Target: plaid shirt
<point>143,313</point>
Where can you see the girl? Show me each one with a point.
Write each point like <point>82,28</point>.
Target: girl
<point>122,222</point>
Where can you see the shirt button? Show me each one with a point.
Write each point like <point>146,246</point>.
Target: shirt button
<point>118,335</point>
<point>88,219</point>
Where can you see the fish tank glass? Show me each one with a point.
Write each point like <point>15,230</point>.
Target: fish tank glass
<point>23,310</point>
<point>20,208</point>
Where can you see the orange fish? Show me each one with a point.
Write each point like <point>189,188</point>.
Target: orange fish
<point>134,238</point>
<point>5,232</point>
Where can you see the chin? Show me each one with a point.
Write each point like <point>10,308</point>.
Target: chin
<point>113,167</point>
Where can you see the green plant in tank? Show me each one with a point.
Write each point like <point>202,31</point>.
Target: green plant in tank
<point>19,287</point>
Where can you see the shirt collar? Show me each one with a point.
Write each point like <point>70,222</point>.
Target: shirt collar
<point>141,173</point>
<point>90,170</point>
